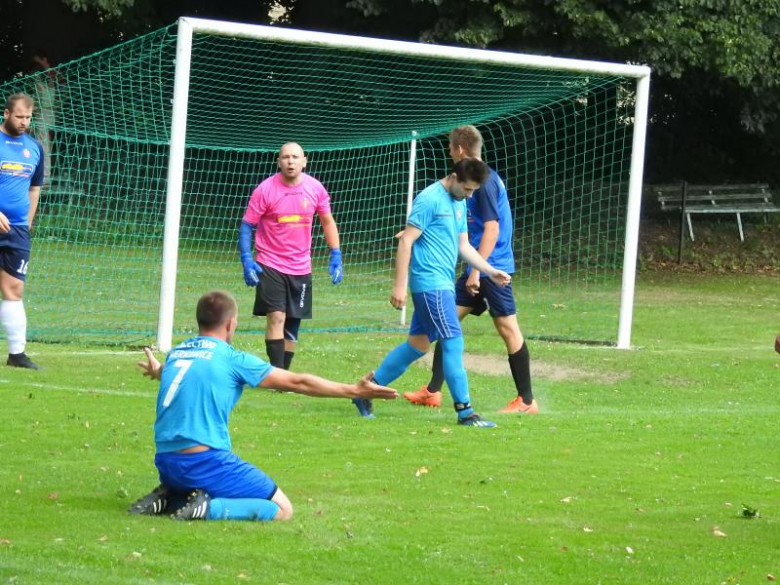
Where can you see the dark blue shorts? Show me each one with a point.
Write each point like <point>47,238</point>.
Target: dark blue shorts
<point>221,473</point>
<point>435,315</point>
<point>498,300</point>
<point>15,251</point>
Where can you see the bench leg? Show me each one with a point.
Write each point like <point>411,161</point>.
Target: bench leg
<point>739,223</point>
<point>690,225</point>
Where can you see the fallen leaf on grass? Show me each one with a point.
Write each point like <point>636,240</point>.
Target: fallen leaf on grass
<point>586,529</point>
<point>421,471</point>
<point>4,542</point>
<point>717,532</point>
<point>103,538</point>
<point>566,500</point>
<point>629,550</point>
<point>770,577</point>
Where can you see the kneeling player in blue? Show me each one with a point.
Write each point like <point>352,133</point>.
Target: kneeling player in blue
<point>200,383</point>
<point>434,236</point>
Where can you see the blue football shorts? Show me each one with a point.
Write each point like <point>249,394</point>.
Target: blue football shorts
<point>435,315</point>
<point>498,300</point>
<point>220,473</point>
<point>15,251</point>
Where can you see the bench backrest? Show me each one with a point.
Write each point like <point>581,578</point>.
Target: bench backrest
<point>670,196</point>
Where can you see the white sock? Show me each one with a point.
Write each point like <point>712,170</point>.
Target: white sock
<point>14,321</point>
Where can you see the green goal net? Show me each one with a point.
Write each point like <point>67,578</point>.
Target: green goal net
<point>561,139</point>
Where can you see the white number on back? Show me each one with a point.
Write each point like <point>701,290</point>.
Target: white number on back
<point>183,366</point>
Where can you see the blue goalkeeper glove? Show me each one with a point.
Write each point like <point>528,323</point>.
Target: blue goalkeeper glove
<point>252,270</point>
<point>335,269</point>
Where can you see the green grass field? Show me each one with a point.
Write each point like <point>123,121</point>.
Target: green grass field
<point>635,471</point>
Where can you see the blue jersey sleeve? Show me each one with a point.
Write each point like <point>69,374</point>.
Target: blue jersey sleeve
<point>250,369</point>
<point>487,200</point>
<point>423,211</point>
<point>37,176</point>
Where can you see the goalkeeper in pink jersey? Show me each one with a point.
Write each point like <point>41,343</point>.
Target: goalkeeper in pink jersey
<point>281,210</point>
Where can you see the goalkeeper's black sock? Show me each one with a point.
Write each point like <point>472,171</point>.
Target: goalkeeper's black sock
<point>520,364</point>
<point>437,372</point>
<point>288,357</point>
<point>275,350</point>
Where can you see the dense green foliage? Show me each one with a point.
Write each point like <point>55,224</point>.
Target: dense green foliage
<point>714,106</point>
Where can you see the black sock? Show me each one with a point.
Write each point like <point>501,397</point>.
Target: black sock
<point>437,372</point>
<point>288,357</point>
<point>520,364</point>
<point>275,350</point>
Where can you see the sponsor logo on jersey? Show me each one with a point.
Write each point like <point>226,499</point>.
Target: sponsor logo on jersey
<point>289,218</point>
<point>26,153</point>
<point>17,169</point>
<point>459,214</point>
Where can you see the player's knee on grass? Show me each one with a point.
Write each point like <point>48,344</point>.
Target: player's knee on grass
<point>285,506</point>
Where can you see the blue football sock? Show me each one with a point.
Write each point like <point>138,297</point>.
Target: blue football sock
<point>455,374</point>
<point>396,363</point>
<point>241,509</point>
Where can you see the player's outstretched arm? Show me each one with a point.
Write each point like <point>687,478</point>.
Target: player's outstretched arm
<point>312,385</point>
<point>151,367</point>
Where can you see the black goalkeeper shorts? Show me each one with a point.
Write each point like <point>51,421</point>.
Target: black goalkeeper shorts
<point>288,293</point>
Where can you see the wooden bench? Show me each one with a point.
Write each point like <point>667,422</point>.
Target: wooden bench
<point>736,199</point>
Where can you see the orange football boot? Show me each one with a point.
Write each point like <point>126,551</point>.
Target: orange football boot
<point>517,405</point>
<point>424,398</point>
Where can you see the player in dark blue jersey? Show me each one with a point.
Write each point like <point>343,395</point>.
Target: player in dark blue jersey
<point>200,383</point>
<point>490,232</point>
<point>21,177</point>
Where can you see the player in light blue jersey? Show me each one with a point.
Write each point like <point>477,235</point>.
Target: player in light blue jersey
<point>21,177</point>
<point>434,236</point>
<point>200,383</point>
<point>491,233</point>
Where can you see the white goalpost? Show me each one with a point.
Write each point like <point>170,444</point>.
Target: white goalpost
<point>398,54</point>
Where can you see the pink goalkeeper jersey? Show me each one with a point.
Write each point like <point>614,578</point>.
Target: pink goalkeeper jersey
<point>284,216</point>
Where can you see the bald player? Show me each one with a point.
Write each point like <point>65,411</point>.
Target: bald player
<point>281,214</point>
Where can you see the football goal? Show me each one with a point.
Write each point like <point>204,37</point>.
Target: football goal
<point>156,144</point>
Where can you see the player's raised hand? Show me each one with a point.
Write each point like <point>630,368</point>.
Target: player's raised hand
<point>252,270</point>
<point>501,278</point>
<point>151,367</point>
<point>335,268</point>
<point>368,388</point>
